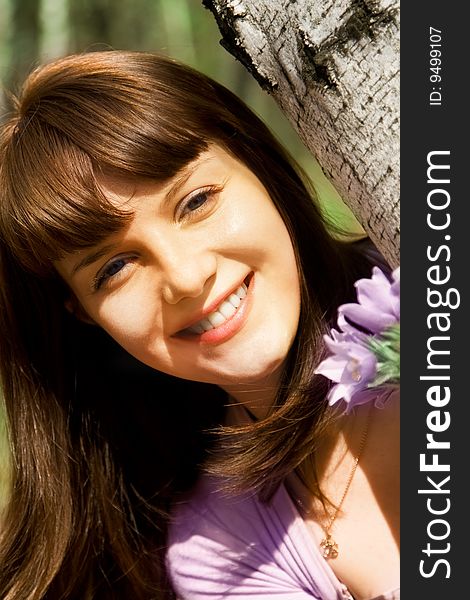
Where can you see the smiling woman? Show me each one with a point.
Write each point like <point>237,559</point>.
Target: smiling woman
<point>166,280</point>
<point>170,308</point>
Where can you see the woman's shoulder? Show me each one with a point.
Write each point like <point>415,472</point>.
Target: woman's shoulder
<point>220,546</point>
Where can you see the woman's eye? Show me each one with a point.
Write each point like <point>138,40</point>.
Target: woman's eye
<point>198,201</point>
<point>110,270</point>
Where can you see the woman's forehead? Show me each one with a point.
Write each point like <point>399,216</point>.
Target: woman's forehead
<point>120,190</point>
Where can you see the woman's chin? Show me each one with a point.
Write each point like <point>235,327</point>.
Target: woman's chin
<point>251,374</point>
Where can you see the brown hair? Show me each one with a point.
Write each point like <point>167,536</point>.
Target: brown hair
<point>83,520</point>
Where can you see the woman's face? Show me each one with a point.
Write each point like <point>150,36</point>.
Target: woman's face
<point>203,283</point>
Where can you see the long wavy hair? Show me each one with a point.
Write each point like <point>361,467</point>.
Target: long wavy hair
<point>101,445</point>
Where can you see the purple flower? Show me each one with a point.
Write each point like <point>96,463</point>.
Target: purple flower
<point>378,304</point>
<point>353,364</point>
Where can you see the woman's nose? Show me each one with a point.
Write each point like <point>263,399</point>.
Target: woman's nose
<point>186,270</point>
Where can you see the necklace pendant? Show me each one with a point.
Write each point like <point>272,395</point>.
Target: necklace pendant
<point>329,547</point>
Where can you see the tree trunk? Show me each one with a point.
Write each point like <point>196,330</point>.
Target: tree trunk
<point>333,67</point>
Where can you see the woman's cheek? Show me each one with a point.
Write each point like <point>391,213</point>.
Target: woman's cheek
<point>128,318</point>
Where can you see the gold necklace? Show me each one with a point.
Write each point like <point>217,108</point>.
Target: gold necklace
<point>328,546</point>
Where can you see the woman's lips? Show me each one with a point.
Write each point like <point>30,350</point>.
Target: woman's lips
<point>224,311</point>
<point>226,320</point>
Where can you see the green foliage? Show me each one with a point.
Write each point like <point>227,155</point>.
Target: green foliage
<point>387,350</point>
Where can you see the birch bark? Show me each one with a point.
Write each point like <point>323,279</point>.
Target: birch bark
<point>333,68</point>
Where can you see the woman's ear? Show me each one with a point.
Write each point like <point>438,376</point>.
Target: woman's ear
<point>76,309</point>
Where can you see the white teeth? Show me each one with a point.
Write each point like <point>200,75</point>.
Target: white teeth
<point>216,318</point>
<point>227,309</point>
<point>241,291</point>
<point>224,311</point>
<point>206,324</point>
<point>234,300</point>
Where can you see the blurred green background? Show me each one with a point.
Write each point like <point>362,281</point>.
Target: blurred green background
<point>34,31</point>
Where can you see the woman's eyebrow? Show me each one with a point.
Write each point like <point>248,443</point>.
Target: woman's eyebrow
<point>92,257</point>
<point>183,175</point>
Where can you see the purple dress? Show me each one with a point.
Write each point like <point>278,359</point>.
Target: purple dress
<point>240,548</point>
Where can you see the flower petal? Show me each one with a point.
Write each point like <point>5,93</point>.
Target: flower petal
<point>369,318</point>
<point>332,368</point>
<point>338,392</point>
<point>375,293</point>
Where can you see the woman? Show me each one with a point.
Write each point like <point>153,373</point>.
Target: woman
<point>143,203</point>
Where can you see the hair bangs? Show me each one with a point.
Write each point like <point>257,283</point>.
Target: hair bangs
<point>51,201</point>
<point>135,115</point>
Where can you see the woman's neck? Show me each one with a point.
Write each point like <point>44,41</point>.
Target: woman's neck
<point>258,396</point>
